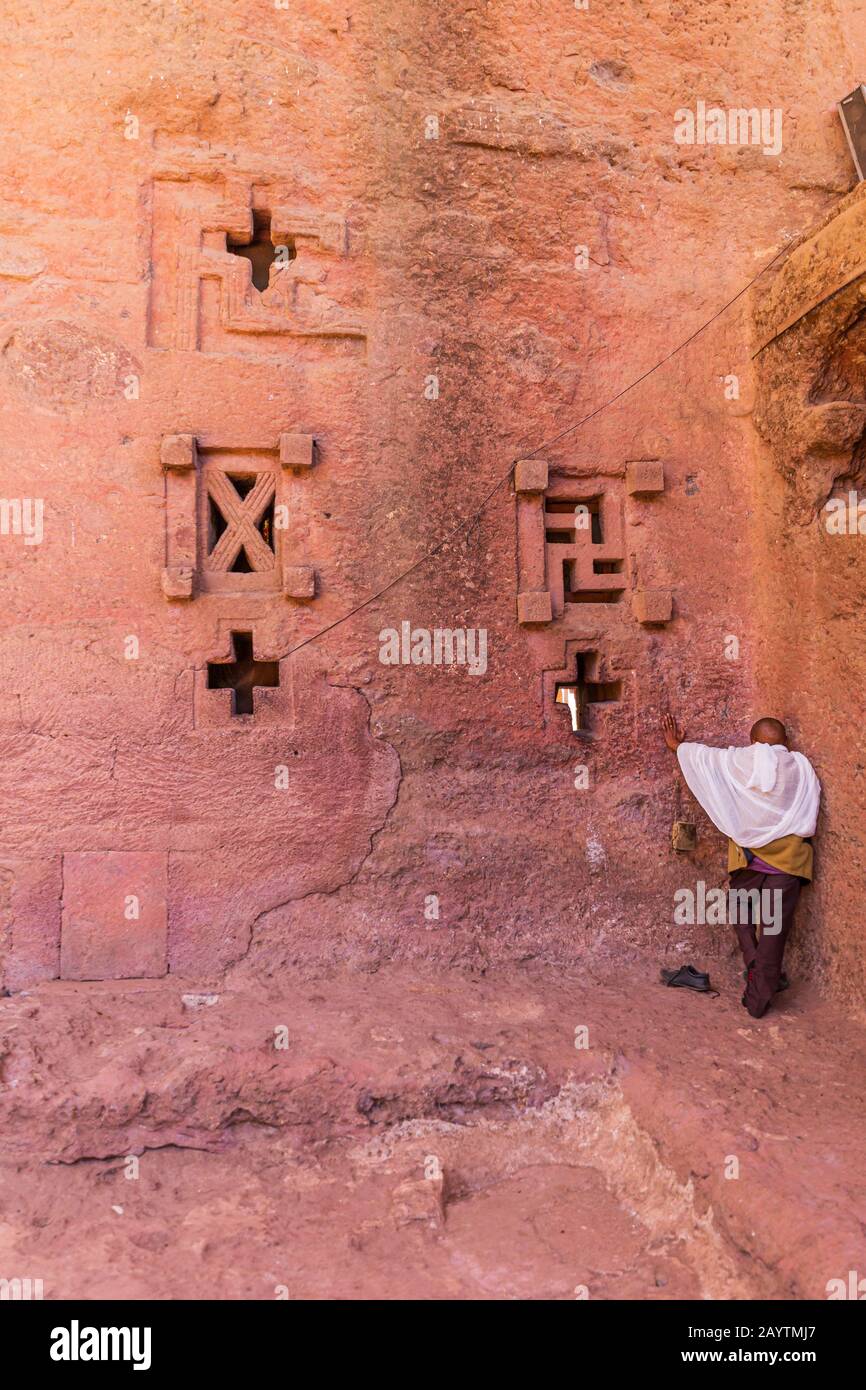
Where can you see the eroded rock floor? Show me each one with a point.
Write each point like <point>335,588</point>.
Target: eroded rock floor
<point>430,1136</point>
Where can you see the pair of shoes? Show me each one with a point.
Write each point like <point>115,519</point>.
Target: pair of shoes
<point>687,977</point>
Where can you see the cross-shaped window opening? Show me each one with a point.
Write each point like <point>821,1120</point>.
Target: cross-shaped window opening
<point>580,694</point>
<point>261,251</point>
<point>242,674</point>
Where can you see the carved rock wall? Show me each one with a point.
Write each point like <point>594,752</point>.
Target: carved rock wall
<point>811,523</point>
<point>469,228</point>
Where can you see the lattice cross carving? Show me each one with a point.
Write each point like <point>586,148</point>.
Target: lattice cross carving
<point>237,517</point>
<point>243,518</point>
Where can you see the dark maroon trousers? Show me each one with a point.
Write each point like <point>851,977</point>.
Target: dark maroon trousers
<point>763,954</point>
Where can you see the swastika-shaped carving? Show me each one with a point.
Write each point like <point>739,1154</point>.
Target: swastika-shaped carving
<point>203,231</point>
<point>584,544</point>
<point>571,542</point>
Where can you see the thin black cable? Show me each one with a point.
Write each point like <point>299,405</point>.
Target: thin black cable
<point>545,444</point>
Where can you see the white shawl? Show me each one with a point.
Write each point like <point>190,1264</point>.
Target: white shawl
<point>754,795</point>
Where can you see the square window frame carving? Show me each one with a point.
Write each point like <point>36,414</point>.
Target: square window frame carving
<point>188,461</point>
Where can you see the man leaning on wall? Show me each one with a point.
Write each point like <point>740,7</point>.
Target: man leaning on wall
<point>765,798</point>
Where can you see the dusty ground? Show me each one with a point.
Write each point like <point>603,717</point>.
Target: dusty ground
<point>312,1169</point>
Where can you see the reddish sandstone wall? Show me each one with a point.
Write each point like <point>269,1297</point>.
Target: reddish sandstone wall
<point>424,249</point>
<point>810,468</point>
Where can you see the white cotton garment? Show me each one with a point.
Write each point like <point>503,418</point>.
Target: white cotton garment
<point>754,795</point>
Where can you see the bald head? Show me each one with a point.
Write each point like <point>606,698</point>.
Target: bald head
<point>768,731</point>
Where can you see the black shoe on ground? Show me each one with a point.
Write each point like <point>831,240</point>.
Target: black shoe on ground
<point>687,977</point>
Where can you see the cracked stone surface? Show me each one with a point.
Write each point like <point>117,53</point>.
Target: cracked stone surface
<point>451,258</point>
<point>396,864</point>
<point>299,1169</point>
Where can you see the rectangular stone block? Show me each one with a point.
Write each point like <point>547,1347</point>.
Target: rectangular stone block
<point>177,582</point>
<point>419,1200</point>
<point>684,836</point>
<point>29,921</point>
<point>180,532</point>
<point>642,479</point>
<point>653,605</point>
<point>296,450</point>
<point>177,451</point>
<point>530,475</point>
<point>534,607</point>
<point>299,581</point>
<point>115,917</point>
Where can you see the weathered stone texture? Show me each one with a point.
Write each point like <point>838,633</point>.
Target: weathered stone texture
<point>483,229</point>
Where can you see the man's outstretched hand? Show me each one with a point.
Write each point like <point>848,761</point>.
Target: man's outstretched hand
<point>671,733</point>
